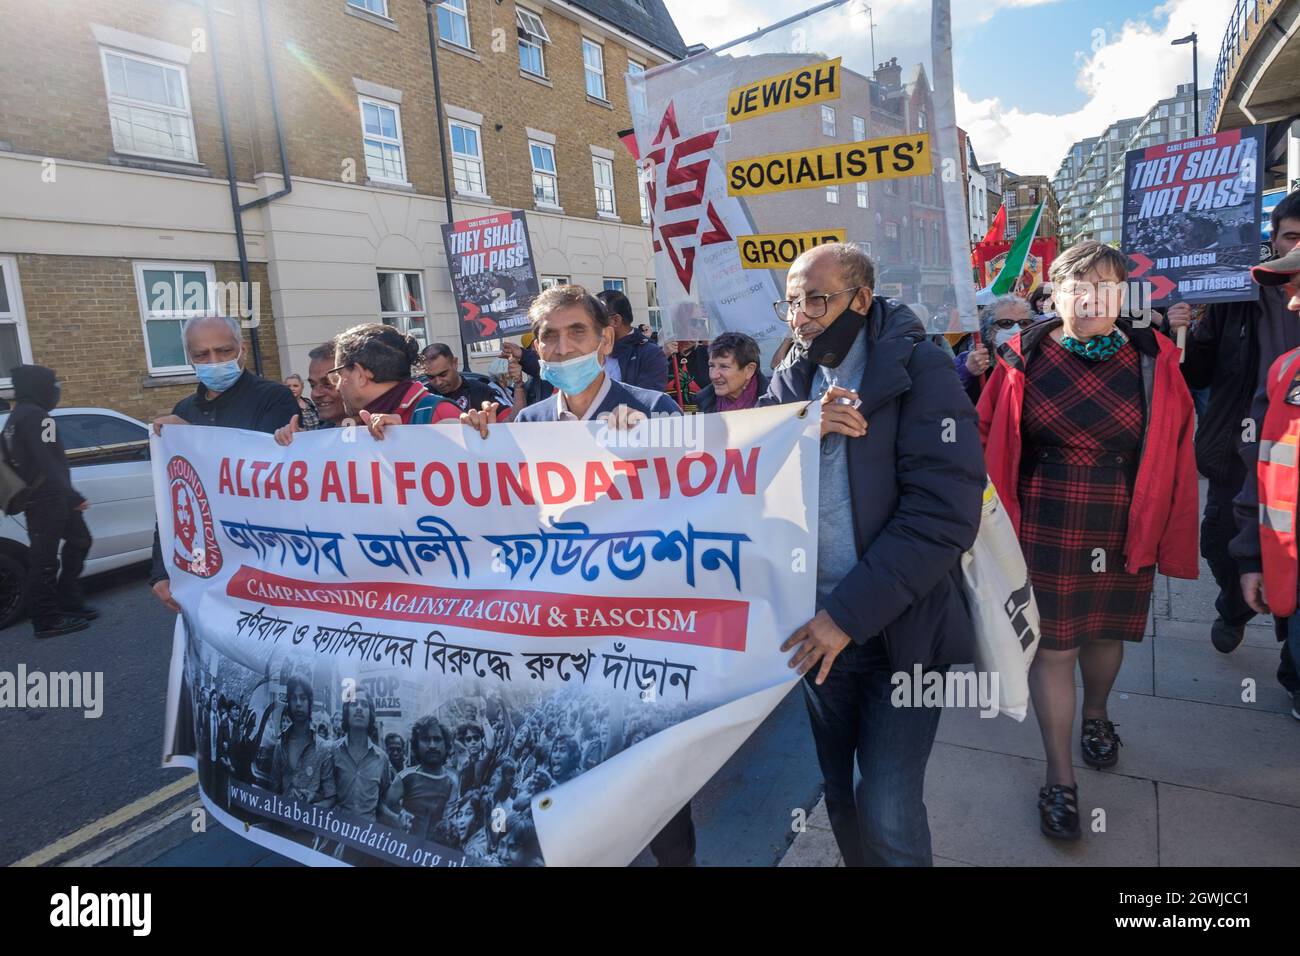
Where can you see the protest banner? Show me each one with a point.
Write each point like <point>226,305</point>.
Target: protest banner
<point>493,274</point>
<point>753,151</point>
<point>1192,216</point>
<point>543,643</point>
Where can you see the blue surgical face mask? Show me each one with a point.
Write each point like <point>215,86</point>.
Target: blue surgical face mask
<point>218,376</point>
<point>573,375</point>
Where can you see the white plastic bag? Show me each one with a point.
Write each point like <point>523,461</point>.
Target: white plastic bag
<point>1002,606</point>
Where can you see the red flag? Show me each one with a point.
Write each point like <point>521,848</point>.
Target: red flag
<point>997,232</point>
<point>628,137</point>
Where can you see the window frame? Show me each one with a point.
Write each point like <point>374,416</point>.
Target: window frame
<point>862,196</point>
<point>545,282</point>
<point>111,98</point>
<point>643,195</point>
<point>482,165</point>
<point>362,101</point>
<point>452,13</point>
<point>16,314</point>
<point>530,38</point>
<point>612,212</point>
<point>588,72</point>
<point>859,122</point>
<point>654,309</point>
<point>613,284</point>
<point>139,267</point>
<point>829,124</point>
<point>554,174</point>
<point>636,104</point>
<point>365,6</point>
<point>833,195</point>
<point>422,312</point>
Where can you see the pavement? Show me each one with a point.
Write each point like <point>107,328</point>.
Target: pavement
<point>1205,777</point>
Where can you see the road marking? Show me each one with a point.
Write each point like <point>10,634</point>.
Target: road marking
<point>103,825</point>
<point>129,839</point>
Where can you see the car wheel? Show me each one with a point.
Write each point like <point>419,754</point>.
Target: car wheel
<point>12,573</point>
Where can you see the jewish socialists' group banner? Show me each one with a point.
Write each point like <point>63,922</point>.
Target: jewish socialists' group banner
<point>441,650</point>
<point>755,151</point>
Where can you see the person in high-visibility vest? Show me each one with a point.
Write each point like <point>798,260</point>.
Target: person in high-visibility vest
<point>1265,546</point>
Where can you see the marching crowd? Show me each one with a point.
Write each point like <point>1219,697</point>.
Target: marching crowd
<point>1081,415</point>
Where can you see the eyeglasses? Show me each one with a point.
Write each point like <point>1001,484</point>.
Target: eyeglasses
<point>1005,324</point>
<point>813,306</point>
<point>332,376</point>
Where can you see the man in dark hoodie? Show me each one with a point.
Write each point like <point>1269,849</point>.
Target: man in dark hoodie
<point>635,360</point>
<point>53,511</point>
<point>899,503</point>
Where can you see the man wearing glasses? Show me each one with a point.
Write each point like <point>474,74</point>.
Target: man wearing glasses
<point>902,480</point>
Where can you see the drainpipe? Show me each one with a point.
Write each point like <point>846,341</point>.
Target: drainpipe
<point>237,209</point>
<point>275,116</point>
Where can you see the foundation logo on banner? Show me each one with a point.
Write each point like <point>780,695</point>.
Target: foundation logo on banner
<point>194,539</point>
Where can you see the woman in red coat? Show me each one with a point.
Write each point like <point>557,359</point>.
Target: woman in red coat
<point>1087,429</point>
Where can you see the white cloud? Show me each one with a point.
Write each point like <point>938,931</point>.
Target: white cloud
<point>1124,75</point>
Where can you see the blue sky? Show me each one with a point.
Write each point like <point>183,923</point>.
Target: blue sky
<point>1051,41</point>
<point>1032,76</point>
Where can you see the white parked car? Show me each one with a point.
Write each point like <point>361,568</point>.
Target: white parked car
<point>109,455</point>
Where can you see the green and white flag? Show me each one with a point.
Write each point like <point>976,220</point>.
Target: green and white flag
<point>1014,264</point>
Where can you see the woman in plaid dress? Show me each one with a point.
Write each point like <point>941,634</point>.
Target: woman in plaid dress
<point>1087,426</point>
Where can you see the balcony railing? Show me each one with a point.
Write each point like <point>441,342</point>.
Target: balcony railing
<point>1243,25</point>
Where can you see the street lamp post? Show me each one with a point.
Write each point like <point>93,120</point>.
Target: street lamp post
<point>1196,82</point>
<point>442,143</point>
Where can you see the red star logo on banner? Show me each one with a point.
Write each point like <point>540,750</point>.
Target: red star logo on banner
<point>682,173</point>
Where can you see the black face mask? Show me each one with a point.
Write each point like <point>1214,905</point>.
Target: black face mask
<point>830,347</point>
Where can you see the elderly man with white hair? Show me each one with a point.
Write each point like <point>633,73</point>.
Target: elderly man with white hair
<point>227,395</point>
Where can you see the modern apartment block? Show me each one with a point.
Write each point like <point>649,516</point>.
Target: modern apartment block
<point>125,123</point>
<point>1090,180</point>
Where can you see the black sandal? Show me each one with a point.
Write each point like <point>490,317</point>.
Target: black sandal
<point>1058,811</point>
<point>1099,743</point>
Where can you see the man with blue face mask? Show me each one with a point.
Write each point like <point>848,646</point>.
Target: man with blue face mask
<point>228,395</point>
<point>574,338</point>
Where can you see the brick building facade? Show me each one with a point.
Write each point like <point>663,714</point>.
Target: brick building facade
<point>113,171</point>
